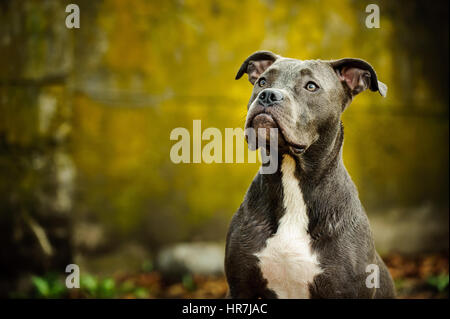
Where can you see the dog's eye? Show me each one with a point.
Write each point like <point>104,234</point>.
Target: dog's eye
<point>311,86</point>
<point>262,82</point>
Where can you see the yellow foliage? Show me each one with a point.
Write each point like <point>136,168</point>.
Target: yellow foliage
<point>182,56</point>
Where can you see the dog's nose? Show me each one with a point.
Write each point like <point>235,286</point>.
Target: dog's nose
<point>269,97</point>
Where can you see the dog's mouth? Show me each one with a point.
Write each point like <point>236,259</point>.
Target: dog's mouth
<point>264,120</point>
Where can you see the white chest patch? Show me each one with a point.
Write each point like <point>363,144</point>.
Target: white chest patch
<point>287,261</point>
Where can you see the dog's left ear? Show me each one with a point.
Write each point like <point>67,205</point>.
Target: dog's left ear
<point>256,64</point>
<point>358,75</point>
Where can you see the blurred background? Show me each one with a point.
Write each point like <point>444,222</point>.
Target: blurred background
<point>86,114</point>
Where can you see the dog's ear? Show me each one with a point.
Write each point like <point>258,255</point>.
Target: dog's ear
<point>256,64</point>
<point>358,75</point>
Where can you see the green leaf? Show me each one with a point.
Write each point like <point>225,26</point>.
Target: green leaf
<point>127,286</point>
<point>188,282</point>
<point>89,284</point>
<point>141,293</point>
<point>42,286</point>
<point>440,282</point>
<point>106,289</point>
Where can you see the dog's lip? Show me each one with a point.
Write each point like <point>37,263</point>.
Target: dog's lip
<point>263,112</point>
<point>268,117</point>
<point>296,148</point>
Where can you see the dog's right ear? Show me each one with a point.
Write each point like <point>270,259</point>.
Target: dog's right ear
<point>256,64</point>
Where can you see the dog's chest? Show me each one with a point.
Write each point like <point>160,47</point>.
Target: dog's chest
<point>287,261</point>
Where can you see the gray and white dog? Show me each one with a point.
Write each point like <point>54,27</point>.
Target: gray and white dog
<point>302,232</point>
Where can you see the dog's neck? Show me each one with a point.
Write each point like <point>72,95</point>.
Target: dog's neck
<point>319,173</point>
<point>322,158</point>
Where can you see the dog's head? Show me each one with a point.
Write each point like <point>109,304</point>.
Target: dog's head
<point>303,98</point>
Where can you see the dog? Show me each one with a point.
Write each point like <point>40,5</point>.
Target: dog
<point>302,232</point>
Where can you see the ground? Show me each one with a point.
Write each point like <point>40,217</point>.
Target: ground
<point>424,276</point>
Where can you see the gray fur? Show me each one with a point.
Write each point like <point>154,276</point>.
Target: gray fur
<point>312,133</point>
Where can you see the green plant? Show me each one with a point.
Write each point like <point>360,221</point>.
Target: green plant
<point>52,286</point>
<point>440,282</point>
<point>49,286</point>
<point>98,288</point>
<point>188,282</point>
